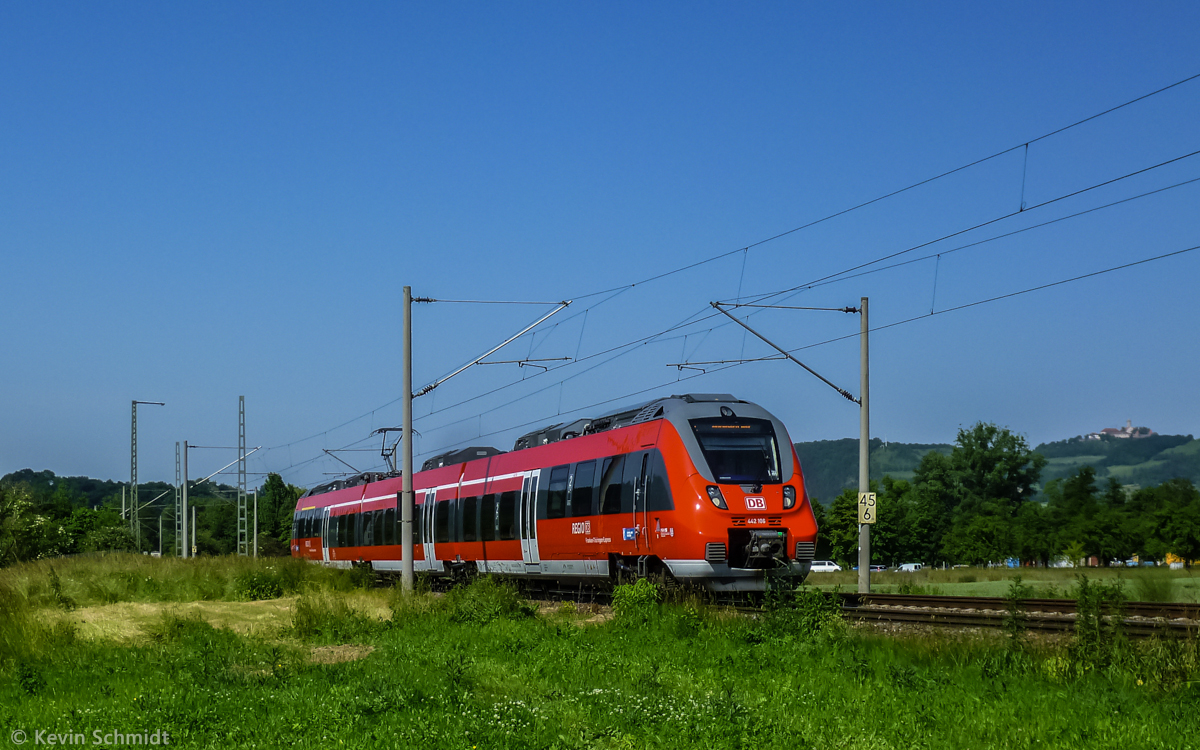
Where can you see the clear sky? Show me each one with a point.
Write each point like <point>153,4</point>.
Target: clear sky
<point>203,200</point>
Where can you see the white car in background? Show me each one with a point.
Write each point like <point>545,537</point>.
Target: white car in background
<point>825,566</point>
<point>909,568</point>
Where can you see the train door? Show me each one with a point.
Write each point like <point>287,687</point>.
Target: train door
<point>427,511</point>
<point>529,545</point>
<point>641,494</point>
<point>325,534</point>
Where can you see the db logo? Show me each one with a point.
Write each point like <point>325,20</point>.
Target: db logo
<point>756,503</point>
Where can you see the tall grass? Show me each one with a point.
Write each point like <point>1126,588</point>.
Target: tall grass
<point>109,578</point>
<point>479,668</point>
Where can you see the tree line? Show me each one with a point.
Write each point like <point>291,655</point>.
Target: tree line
<point>977,505</point>
<point>42,515</point>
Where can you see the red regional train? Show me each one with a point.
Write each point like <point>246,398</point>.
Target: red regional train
<point>701,487</point>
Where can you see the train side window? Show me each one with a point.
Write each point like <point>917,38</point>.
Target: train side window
<point>610,485</point>
<point>368,529</point>
<point>487,518</point>
<point>583,489</point>
<point>556,494</point>
<point>659,489</point>
<point>508,515</point>
<point>389,526</point>
<point>306,525</point>
<point>470,519</point>
<point>343,526</point>
<point>441,522</point>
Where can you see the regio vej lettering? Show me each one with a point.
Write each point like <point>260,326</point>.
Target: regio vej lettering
<point>100,737</point>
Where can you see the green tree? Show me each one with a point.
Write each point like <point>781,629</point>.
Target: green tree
<point>982,485</point>
<point>108,539</point>
<point>841,527</point>
<point>277,502</point>
<point>823,551</point>
<point>931,506</point>
<point>891,533</point>
<point>1034,535</point>
<point>1180,526</point>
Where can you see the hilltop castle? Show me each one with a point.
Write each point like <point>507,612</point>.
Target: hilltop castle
<point>1128,431</point>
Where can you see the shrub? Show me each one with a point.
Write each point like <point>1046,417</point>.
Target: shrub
<point>805,613</point>
<point>486,600</point>
<point>686,622</point>
<point>329,618</point>
<point>61,599</point>
<point>1097,638</point>
<point>256,585</point>
<point>910,588</point>
<point>636,603</point>
<point>1014,614</point>
<point>173,627</point>
<point>109,539</point>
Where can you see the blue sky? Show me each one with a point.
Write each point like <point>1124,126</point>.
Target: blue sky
<point>201,201</point>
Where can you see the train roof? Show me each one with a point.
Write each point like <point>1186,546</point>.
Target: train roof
<point>675,408</point>
<point>656,409</point>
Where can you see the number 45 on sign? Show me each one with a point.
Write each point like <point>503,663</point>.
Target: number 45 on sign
<point>866,507</point>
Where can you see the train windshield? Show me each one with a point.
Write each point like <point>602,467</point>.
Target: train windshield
<point>739,451</point>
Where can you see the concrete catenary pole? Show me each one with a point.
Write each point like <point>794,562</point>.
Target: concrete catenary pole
<point>406,501</point>
<point>864,459</point>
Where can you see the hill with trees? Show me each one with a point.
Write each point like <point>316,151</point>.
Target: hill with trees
<point>831,466</point>
<point>1132,461</point>
<point>977,504</point>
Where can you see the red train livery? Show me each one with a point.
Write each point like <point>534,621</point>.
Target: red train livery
<point>702,487</point>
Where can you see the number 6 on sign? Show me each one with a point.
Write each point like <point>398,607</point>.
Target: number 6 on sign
<point>866,507</point>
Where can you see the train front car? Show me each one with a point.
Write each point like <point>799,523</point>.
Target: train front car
<point>741,513</point>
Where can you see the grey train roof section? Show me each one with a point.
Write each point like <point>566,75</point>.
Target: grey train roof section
<point>677,410</point>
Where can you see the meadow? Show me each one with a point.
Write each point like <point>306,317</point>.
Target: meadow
<point>231,652</point>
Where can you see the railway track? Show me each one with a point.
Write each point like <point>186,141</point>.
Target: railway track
<point>1139,619</point>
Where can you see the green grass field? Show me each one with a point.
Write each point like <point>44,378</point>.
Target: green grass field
<point>272,656</point>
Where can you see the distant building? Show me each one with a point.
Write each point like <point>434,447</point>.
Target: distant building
<point>1128,431</point>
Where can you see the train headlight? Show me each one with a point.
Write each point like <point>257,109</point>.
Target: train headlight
<point>714,494</point>
<point>789,496</point>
